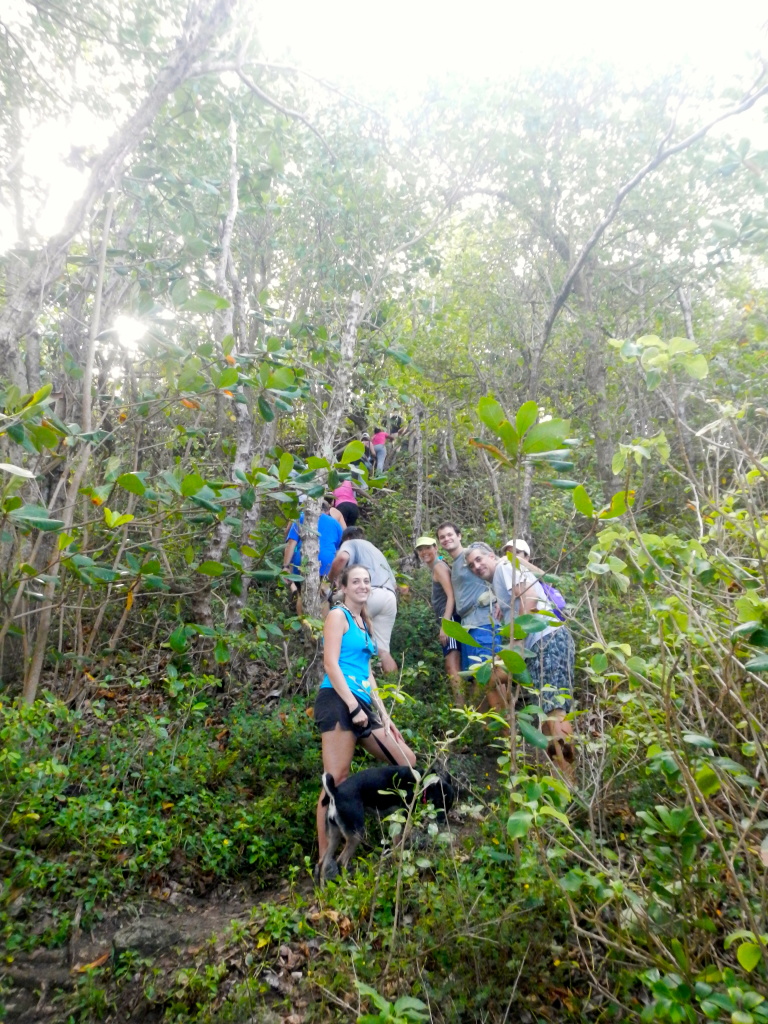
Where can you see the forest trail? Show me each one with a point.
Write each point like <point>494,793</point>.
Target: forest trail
<point>168,931</point>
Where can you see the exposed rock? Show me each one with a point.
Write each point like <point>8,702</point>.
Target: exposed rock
<point>147,935</point>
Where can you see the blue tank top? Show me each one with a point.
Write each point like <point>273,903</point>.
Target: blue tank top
<point>357,649</point>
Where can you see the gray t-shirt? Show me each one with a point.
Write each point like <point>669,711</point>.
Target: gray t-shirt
<point>362,552</point>
<point>468,589</point>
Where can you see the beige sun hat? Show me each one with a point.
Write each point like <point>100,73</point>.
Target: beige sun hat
<point>518,545</point>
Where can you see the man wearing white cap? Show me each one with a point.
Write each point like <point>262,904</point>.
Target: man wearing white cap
<point>551,649</point>
<point>443,605</point>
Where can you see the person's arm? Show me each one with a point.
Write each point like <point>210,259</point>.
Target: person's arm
<point>290,547</point>
<point>333,632</point>
<point>443,577</point>
<point>529,565</point>
<point>337,565</point>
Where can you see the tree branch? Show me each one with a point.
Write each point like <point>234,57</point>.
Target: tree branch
<point>283,110</point>
<point>663,153</point>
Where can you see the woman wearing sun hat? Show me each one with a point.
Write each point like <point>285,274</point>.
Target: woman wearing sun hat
<point>444,608</point>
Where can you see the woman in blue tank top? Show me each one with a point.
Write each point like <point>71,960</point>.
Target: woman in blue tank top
<point>347,708</point>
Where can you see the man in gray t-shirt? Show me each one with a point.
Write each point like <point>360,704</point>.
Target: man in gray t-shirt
<point>382,603</point>
<point>474,600</point>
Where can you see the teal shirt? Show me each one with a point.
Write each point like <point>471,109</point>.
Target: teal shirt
<point>357,649</point>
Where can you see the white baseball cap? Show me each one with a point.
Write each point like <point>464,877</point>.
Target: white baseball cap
<point>518,545</point>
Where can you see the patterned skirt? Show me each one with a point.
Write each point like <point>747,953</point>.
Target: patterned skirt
<point>551,669</point>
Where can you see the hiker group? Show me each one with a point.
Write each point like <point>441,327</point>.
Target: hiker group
<point>481,591</point>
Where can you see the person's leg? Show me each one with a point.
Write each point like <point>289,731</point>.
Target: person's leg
<point>452,668</point>
<point>381,454</point>
<point>554,669</point>
<point>382,608</point>
<point>495,692</point>
<point>389,748</point>
<point>338,750</point>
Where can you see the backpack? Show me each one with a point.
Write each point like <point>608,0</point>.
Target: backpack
<point>555,598</point>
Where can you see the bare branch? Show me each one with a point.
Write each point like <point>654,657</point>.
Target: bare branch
<point>283,110</point>
<point>664,153</point>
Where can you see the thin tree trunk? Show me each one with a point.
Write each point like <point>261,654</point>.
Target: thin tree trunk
<point>337,406</point>
<point>494,482</point>
<point>418,450</point>
<point>35,667</point>
<point>223,325</point>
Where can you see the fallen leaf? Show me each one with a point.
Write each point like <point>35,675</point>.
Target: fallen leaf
<point>98,962</point>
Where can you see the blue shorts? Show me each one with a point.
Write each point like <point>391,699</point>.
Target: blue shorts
<point>490,645</point>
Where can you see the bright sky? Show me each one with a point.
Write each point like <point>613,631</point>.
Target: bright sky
<point>400,44</point>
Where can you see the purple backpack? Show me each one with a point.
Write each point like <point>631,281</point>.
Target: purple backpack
<point>555,598</point>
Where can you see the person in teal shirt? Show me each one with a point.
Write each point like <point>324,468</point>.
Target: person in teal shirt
<point>347,708</point>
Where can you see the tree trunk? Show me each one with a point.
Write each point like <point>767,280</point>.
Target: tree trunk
<point>204,22</point>
<point>418,450</point>
<point>329,430</point>
<point>35,667</point>
<point>223,325</point>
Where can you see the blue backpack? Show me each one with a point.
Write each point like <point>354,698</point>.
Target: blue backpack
<point>555,598</point>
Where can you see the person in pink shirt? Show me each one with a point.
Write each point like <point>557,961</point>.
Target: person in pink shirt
<point>345,501</point>
<point>379,442</point>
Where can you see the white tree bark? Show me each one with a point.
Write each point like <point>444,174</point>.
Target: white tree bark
<point>337,406</point>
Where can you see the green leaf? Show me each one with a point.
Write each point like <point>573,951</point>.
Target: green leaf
<point>204,301</point>
<point>707,780</point>
<point>281,378</point>
<point>749,955</point>
<point>39,396</point>
<point>526,416</point>
<point>583,502</point>
<point>697,740</point>
<point>228,377</point>
<point>178,641</point>
<point>115,519</point>
<point>758,664</point>
<point>695,366</point>
<point>545,437</point>
<point>211,568</point>
<point>354,451</point>
<point>599,663</point>
<point>518,824</point>
<point>513,662</point>
<point>534,736</point>
<point>457,632</point>
<point>285,467</point>
<point>564,485</point>
<point>132,482</point>
<point>552,812</point>
<point>265,409</point>
<point>620,502</point>
<point>191,484</point>
<point>36,517</point>
<point>7,467</point>
<point>532,623</point>
<point>221,652</point>
<point>508,435</point>
<point>679,346</point>
<point>490,413</point>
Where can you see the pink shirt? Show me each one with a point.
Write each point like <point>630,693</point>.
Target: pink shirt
<point>344,492</point>
<point>380,438</point>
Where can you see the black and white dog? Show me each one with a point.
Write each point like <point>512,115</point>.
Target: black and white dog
<point>380,789</point>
